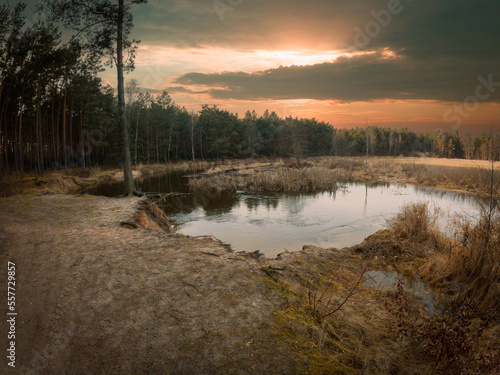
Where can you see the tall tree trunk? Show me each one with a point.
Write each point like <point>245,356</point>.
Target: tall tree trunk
<point>16,142</point>
<point>1,155</point>
<point>2,146</point>
<point>2,136</point>
<point>192,138</point>
<point>57,133</point>
<point>157,144</point>
<point>127,163</point>
<point>390,142</point>
<point>82,140</point>
<point>3,115</point>
<point>38,130</point>
<point>201,144</point>
<point>148,145</point>
<point>71,128</point>
<point>64,126</point>
<point>20,135</point>
<point>137,132</point>
<point>82,156</point>
<point>169,141</point>
<point>52,120</point>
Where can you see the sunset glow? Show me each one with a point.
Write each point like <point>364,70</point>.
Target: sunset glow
<point>328,61</point>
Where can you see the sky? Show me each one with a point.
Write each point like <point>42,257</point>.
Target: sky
<point>423,64</point>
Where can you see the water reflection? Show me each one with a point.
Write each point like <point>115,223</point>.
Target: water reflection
<point>274,222</point>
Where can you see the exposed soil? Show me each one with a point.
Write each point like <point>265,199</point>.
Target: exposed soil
<point>94,297</point>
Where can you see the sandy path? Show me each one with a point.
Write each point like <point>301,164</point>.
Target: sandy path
<point>93,297</point>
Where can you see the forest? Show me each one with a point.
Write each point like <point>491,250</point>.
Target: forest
<point>56,113</point>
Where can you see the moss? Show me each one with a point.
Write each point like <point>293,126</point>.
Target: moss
<point>296,331</point>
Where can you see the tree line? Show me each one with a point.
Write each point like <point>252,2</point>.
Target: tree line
<point>56,113</point>
<point>53,107</point>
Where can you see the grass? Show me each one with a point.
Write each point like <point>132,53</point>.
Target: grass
<point>264,174</point>
<point>378,332</point>
<point>357,338</point>
<point>463,337</point>
<point>150,169</point>
<point>279,180</point>
<point>415,222</point>
<point>319,173</point>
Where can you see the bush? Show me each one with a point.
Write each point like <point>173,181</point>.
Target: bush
<point>415,222</point>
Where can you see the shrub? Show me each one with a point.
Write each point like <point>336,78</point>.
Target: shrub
<point>415,222</point>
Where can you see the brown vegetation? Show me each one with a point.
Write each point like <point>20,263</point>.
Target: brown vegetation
<point>349,329</point>
<point>323,173</point>
<point>416,223</point>
<point>280,179</point>
<point>318,173</point>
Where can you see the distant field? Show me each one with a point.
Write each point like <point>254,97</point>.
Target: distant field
<point>445,162</point>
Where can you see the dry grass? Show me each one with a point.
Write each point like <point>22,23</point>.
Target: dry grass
<point>349,164</point>
<point>443,176</point>
<point>463,336</point>
<point>470,261</point>
<point>150,169</point>
<point>282,180</point>
<point>358,338</point>
<point>443,173</point>
<point>469,264</point>
<point>376,332</point>
<point>415,222</point>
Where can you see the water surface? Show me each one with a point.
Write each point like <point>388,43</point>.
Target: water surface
<point>273,223</point>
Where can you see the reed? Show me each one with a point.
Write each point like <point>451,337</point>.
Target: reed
<point>281,179</point>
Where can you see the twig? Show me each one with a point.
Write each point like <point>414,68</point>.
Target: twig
<point>349,295</point>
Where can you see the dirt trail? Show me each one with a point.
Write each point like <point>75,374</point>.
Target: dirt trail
<point>94,297</point>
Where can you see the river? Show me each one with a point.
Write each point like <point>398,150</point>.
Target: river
<point>275,222</point>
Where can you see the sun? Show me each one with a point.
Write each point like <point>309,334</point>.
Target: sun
<point>297,58</point>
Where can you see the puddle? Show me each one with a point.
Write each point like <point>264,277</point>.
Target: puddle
<point>383,280</point>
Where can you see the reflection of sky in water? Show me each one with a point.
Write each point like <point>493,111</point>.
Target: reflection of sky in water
<point>273,223</point>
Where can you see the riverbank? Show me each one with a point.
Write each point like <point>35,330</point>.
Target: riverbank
<point>97,294</point>
<point>75,181</point>
<point>270,174</point>
<point>324,173</point>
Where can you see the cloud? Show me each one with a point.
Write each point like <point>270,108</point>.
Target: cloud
<point>440,47</point>
<point>446,26</point>
<point>253,24</point>
<point>368,77</point>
